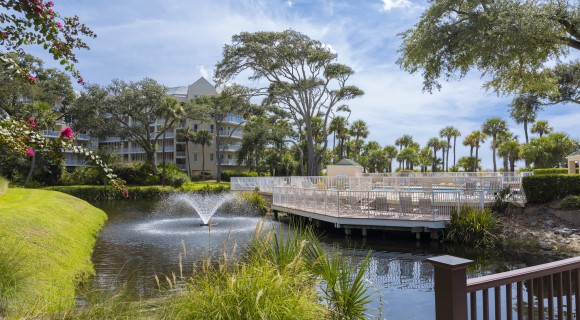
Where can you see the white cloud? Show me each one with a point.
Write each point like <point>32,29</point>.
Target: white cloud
<point>204,72</point>
<point>392,4</point>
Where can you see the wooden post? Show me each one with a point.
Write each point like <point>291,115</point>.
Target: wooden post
<point>450,287</point>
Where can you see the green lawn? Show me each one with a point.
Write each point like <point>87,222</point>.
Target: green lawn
<point>47,239</point>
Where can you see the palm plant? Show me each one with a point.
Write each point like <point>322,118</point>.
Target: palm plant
<point>447,133</point>
<point>477,137</point>
<point>455,133</point>
<point>403,142</point>
<point>436,145</point>
<point>493,127</point>
<point>186,135</point>
<point>541,127</point>
<point>204,138</point>
<point>523,110</point>
<point>391,153</point>
<point>358,130</point>
<point>339,126</point>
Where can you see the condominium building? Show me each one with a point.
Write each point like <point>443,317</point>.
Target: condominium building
<point>188,156</point>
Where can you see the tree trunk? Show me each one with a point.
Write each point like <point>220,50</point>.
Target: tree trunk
<point>476,158</point>
<point>151,157</point>
<point>526,131</point>
<point>218,155</point>
<point>32,165</point>
<point>493,148</point>
<point>434,165</point>
<point>187,159</point>
<point>310,152</point>
<point>163,157</point>
<point>203,162</point>
<point>454,143</point>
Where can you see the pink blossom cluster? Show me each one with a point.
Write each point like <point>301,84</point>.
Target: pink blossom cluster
<point>66,133</point>
<point>31,122</point>
<point>30,78</point>
<point>30,152</point>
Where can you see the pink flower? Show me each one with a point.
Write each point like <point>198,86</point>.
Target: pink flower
<point>66,133</point>
<point>31,78</point>
<point>50,4</point>
<point>30,152</point>
<point>59,25</point>
<point>31,122</point>
<point>81,81</point>
<point>126,193</point>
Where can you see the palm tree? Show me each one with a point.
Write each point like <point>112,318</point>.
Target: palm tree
<point>339,126</point>
<point>523,109</point>
<point>510,149</point>
<point>478,138</point>
<point>541,127</point>
<point>186,135</point>
<point>358,130</point>
<point>171,111</point>
<point>447,133</point>
<point>403,142</point>
<point>444,148</point>
<point>436,145</point>
<point>455,133</point>
<point>501,139</point>
<point>204,138</point>
<point>391,153</point>
<point>493,127</point>
<point>469,141</point>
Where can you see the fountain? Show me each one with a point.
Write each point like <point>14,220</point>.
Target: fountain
<point>204,205</point>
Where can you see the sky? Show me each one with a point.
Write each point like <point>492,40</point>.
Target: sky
<point>176,41</point>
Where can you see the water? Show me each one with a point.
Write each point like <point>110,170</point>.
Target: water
<point>142,239</point>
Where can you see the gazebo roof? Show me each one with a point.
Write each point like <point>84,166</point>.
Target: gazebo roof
<point>575,155</point>
<point>347,162</point>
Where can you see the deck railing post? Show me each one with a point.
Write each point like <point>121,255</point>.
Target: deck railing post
<point>450,287</point>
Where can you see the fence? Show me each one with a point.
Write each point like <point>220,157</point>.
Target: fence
<point>411,204</point>
<point>549,291</point>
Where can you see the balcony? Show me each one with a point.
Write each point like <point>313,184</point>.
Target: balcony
<point>231,162</point>
<point>231,147</point>
<point>180,154</point>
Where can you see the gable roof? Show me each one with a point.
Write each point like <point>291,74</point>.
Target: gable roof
<point>575,153</point>
<point>347,162</point>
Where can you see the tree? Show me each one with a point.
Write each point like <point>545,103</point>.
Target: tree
<point>391,153</point>
<point>455,133</point>
<point>358,130</point>
<point>302,75</point>
<point>232,100</point>
<point>339,125</point>
<point>469,164</point>
<point>493,127</point>
<point>186,135</point>
<point>511,150</point>
<point>477,137</point>
<point>171,111</point>
<point>436,145</point>
<point>35,22</point>
<point>127,110</point>
<point>541,127</point>
<point>449,132</point>
<point>425,158</point>
<point>203,138</point>
<point>507,153</point>
<point>403,142</point>
<point>549,151</point>
<point>523,109</point>
<point>508,41</point>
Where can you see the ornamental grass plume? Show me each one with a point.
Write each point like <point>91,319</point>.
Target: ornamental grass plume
<point>66,133</point>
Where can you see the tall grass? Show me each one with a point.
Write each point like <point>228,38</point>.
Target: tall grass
<point>12,274</point>
<point>3,185</point>
<point>474,227</point>
<point>277,279</point>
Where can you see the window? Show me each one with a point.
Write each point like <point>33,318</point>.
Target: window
<point>211,128</point>
<point>239,119</point>
<point>221,130</point>
<point>230,117</point>
<point>211,157</point>
<point>195,128</point>
<point>195,157</point>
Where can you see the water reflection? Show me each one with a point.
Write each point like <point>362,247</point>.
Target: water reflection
<point>139,242</point>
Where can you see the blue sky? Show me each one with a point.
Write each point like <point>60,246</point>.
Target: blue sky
<point>176,41</point>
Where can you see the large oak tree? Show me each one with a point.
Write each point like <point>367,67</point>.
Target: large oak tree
<point>302,77</point>
<point>508,41</point>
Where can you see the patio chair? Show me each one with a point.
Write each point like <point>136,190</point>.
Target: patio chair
<point>469,188</point>
<point>427,187</point>
<point>406,203</point>
<point>426,207</point>
<point>382,204</point>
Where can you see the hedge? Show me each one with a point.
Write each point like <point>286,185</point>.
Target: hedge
<point>546,188</point>
<point>551,171</point>
<point>227,174</point>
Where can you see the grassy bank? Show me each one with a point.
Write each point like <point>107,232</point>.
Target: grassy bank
<point>47,239</point>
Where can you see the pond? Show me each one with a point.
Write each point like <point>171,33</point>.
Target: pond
<point>143,239</point>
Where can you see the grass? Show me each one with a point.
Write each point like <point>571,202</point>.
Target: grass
<point>3,185</point>
<point>470,226</point>
<point>51,236</point>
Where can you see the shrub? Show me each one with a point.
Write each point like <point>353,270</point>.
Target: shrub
<point>257,201</point>
<point>227,174</point>
<point>569,203</point>
<point>92,193</point>
<point>205,187</point>
<point>82,176</point>
<point>546,188</point>
<point>473,227</point>
<point>551,171</point>
<point>174,176</point>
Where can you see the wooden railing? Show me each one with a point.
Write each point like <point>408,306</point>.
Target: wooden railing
<point>550,290</point>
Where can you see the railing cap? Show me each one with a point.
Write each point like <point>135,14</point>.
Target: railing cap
<point>449,262</point>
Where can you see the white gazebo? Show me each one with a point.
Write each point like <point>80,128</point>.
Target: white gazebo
<point>344,167</point>
<point>572,159</point>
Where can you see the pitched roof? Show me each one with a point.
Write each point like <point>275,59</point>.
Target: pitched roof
<point>347,162</point>
<point>575,153</point>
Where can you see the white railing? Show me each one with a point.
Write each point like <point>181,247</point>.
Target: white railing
<point>379,204</point>
<point>489,184</point>
<point>180,153</point>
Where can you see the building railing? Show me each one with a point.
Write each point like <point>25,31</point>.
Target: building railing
<point>180,153</point>
<point>545,291</point>
<point>405,203</point>
<point>56,134</point>
<point>489,184</point>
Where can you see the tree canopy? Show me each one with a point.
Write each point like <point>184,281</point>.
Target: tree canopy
<point>34,22</point>
<point>508,41</point>
<point>302,78</point>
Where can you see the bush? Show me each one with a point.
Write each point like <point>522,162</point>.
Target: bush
<point>205,187</point>
<point>92,193</point>
<point>82,176</point>
<point>473,227</point>
<point>551,171</point>
<point>546,188</point>
<point>227,174</point>
<point>255,200</point>
<point>569,203</point>
<point>174,176</point>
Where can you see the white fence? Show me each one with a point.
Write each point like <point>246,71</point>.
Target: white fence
<point>393,204</point>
